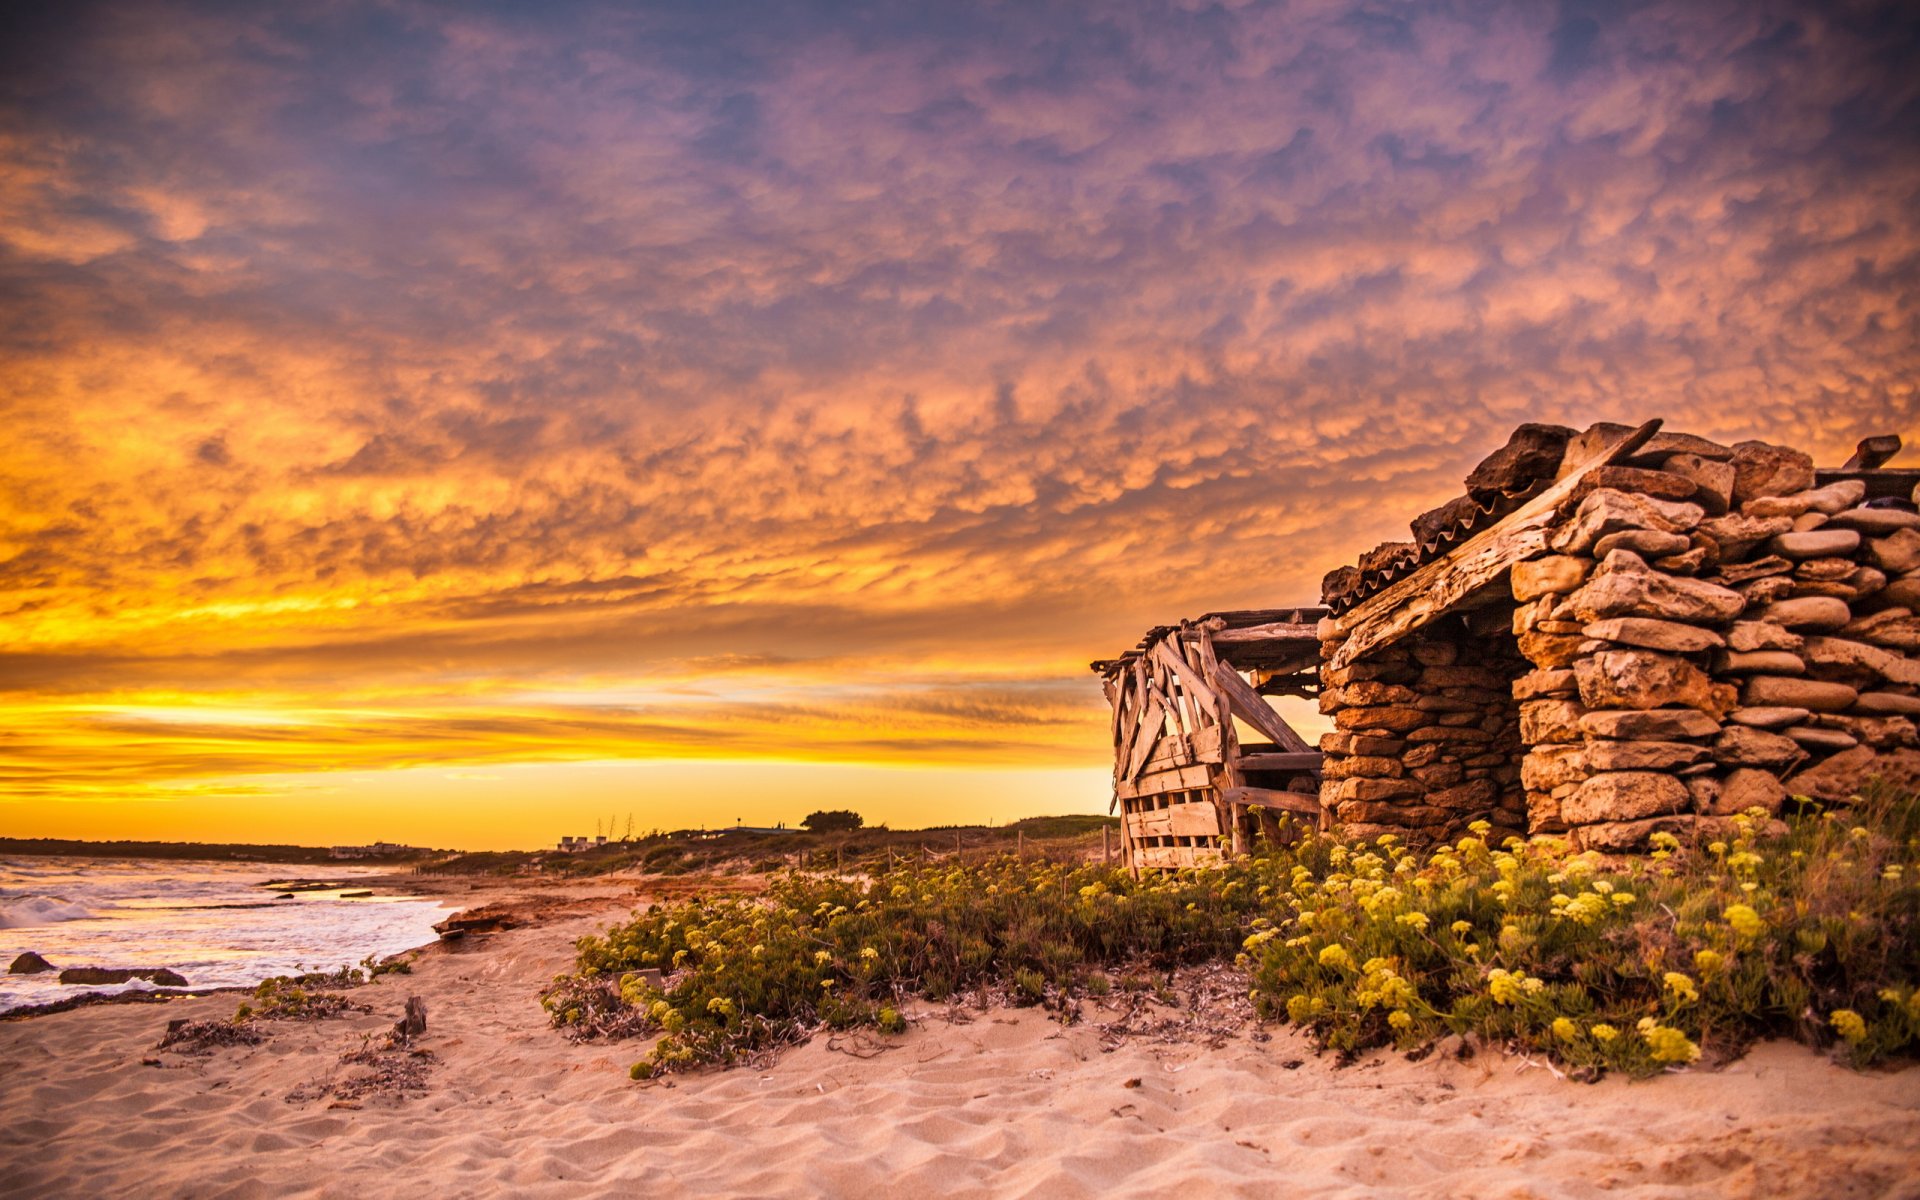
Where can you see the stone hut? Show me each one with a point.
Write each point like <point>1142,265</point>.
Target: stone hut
<point>1624,631</point>
<point>1612,633</point>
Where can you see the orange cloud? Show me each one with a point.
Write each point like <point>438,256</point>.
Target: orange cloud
<point>656,384</point>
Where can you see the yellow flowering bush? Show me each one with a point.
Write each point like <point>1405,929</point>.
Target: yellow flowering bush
<point>1638,965</point>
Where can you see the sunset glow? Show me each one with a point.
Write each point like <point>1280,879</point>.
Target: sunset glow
<point>461,426</point>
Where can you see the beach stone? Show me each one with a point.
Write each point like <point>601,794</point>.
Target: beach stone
<point>1761,662</point>
<point>1904,591</point>
<point>1735,573</point>
<point>1547,767</point>
<point>1808,612</point>
<point>1837,778</point>
<point>1648,543</point>
<point>94,976</point>
<point>1549,650</point>
<point>1557,573</point>
<point>1875,521</point>
<point>1473,794</point>
<point>1644,592</point>
<point>1760,470</point>
<point>1368,692</point>
<point>1712,481</point>
<point>1737,533</point>
<point>1611,511</point>
<point>165,978</point>
<point>30,963</point>
<point>1824,501</point>
<point>1742,789</point>
<point>1897,552</point>
<point>1844,652</point>
<point>1739,746</point>
<point>1762,691</point>
<point>1619,837</point>
<point>1817,543</point>
<point>1664,724</point>
<point>1589,444</point>
<point>1625,796</point>
<point>1822,740</point>
<point>1761,635</point>
<point>1666,446</point>
<point>1641,679</point>
<point>1532,453</point>
<point>1393,718</point>
<point>1550,721</point>
<point>1369,790</point>
<point>1879,732</point>
<point>1374,766</point>
<point>1690,562</point>
<point>1649,633</point>
<point>1887,704</point>
<point>1895,627</point>
<point>1774,717</point>
<point>1535,684</point>
<point>1359,743</point>
<point>1637,481</point>
<point>1642,756</point>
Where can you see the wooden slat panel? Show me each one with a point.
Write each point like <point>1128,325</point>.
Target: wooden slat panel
<point>1249,707</point>
<point>1168,858</point>
<point>1433,588</point>
<point>1178,779</point>
<point>1305,803</point>
<point>1178,820</point>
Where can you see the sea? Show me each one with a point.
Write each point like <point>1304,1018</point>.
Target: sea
<point>212,922</point>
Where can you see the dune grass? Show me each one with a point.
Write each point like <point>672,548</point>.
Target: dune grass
<point>1806,930</point>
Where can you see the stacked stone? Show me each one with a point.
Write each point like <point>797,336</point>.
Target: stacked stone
<point>1709,633</point>
<point>1427,736</point>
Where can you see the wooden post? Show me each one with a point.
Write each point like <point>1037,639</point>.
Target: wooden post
<point>1020,844</point>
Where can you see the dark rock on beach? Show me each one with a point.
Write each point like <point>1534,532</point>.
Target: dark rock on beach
<point>30,964</point>
<point>96,976</point>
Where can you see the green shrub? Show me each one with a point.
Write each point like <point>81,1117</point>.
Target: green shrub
<point>1807,930</point>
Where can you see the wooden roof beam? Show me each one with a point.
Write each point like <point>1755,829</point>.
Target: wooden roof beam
<point>1434,588</point>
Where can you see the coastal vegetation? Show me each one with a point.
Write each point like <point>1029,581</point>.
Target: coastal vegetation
<point>1805,929</point>
<point>728,851</point>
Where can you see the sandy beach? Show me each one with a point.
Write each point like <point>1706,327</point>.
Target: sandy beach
<point>1007,1103</point>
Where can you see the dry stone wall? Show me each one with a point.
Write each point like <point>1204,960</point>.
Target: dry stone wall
<point>1427,733</point>
<point>1708,631</point>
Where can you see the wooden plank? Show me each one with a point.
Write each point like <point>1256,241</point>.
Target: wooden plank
<point>1179,820</point>
<point>1304,760</point>
<point>1305,803</point>
<point>1410,602</point>
<point>1249,707</point>
<point>1177,779</point>
<point>1277,631</point>
<point>1152,725</point>
<point>1196,688</point>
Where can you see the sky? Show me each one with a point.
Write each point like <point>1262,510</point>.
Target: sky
<point>471,425</point>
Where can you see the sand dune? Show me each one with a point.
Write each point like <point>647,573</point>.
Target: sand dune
<point>1009,1104</point>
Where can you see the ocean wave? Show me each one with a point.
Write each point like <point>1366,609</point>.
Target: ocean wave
<point>40,910</point>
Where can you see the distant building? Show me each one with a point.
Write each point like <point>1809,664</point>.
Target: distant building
<point>576,845</point>
<point>373,850</point>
